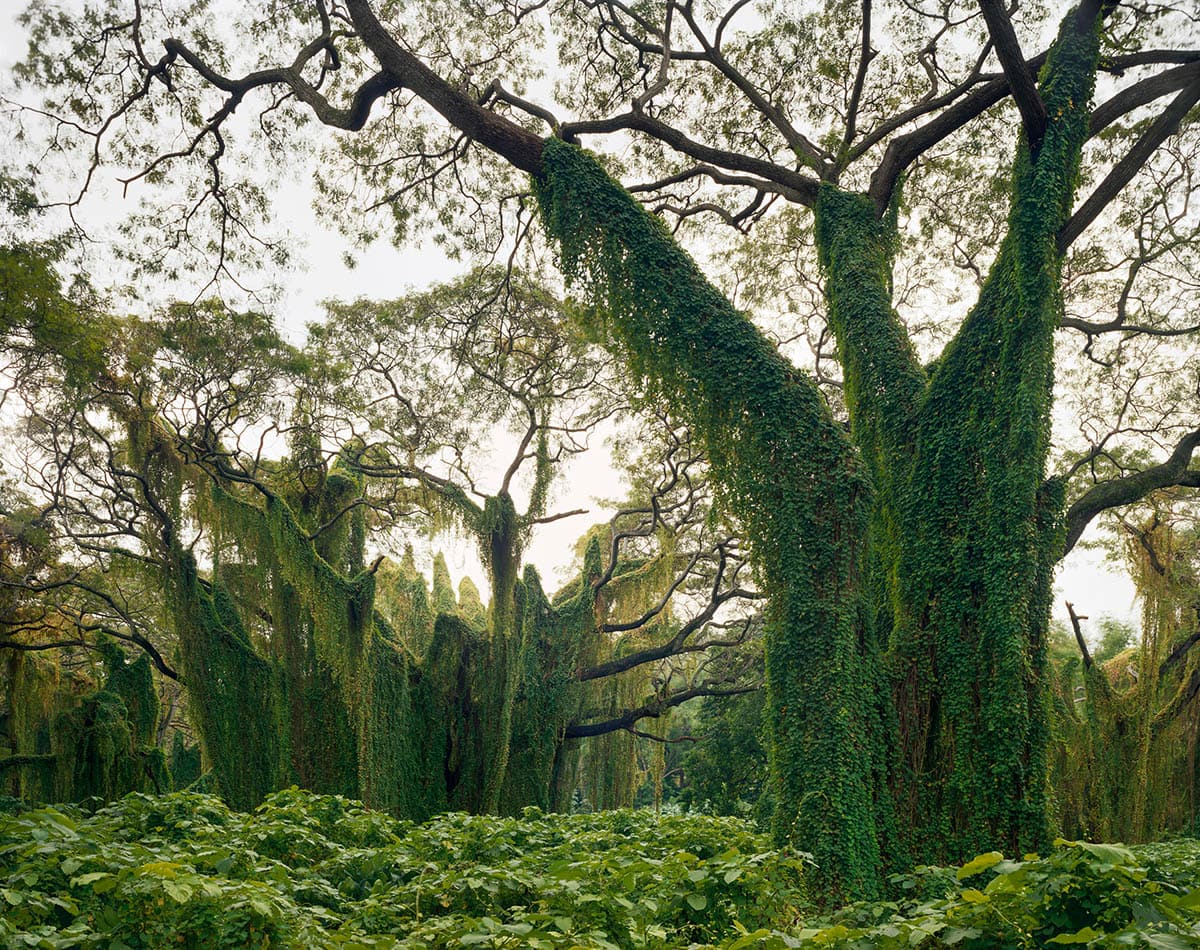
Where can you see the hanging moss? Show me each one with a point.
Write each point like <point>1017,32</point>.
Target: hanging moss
<point>391,771</point>
<point>501,539</point>
<point>403,602</point>
<point>240,701</point>
<point>446,706</point>
<point>548,693</point>
<point>788,472</point>
<point>35,697</point>
<point>355,716</point>
<point>134,683</point>
<point>470,604</point>
<point>295,676</point>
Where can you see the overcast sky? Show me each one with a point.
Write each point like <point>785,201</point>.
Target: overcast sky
<point>383,271</point>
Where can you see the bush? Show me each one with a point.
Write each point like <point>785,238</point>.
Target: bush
<point>306,870</point>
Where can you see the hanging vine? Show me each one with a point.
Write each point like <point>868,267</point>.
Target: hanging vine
<point>787,471</point>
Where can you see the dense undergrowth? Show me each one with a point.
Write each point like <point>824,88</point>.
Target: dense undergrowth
<point>306,870</point>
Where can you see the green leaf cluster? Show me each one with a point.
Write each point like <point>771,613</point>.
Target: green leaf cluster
<point>306,870</point>
<point>1096,895</point>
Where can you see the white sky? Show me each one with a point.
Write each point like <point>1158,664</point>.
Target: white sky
<point>385,272</point>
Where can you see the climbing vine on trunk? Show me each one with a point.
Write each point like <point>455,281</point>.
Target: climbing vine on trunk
<point>916,553</point>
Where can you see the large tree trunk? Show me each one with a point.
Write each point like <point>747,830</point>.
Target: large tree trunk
<point>965,527</point>
<point>789,473</point>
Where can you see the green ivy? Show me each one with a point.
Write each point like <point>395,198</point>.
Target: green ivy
<point>932,527</point>
<point>785,468</point>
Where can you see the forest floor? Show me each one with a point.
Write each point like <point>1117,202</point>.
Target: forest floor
<point>305,870</point>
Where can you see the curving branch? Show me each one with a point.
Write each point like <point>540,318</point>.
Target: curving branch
<point>1142,93</point>
<point>1122,173</point>
<point>794,185</point>
<point>866,54</point>
<point>1176,655</point>
<point>351,119</point>
<point>503,136</point>
<point>652,709</point>
<point>1175,471</point>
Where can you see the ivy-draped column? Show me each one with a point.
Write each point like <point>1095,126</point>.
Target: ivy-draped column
<point>787,470</point>
<point>965,526</point>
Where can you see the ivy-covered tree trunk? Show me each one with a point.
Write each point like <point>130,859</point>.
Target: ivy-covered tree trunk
<point>790,474</point>
<point>965,523</point>
<point>936,583</point>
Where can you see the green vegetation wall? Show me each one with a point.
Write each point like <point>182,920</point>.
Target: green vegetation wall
<point>70,739</point>
<point>295,676</point>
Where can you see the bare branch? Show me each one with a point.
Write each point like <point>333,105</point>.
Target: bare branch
<point>1020,77</point>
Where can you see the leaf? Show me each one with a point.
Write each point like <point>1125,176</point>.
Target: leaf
<point>979,864</point>
<point>261,906</point>
<point>1166,941</point>
<point>1086,935</point>
<point>749,940</point>
<point>180,893</point>
<point>697,901</point>
<point>1108,853</point>
<point>90,878</point>
<point>972,896</point>
<point>160,868</point>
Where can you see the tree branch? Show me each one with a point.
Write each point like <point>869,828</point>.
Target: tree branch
<point>1083,647</point>
<point>519,146</point>
<point>1122,173</point>
<point>652,709</point>
<point>1177,655</point>
<point>1131,488</point>
<point>1020,77</point>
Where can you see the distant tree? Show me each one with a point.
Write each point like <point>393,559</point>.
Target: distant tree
<point>1129,714</point>
<point>1116,637</point>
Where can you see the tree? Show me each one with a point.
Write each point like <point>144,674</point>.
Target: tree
<point>907,561</point>
<point>304,664</point>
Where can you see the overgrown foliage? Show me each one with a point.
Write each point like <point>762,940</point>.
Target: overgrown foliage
<point>318,871</point>
<point>1127,722</point>
<point>74,739</point>
<point>307,870</point>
